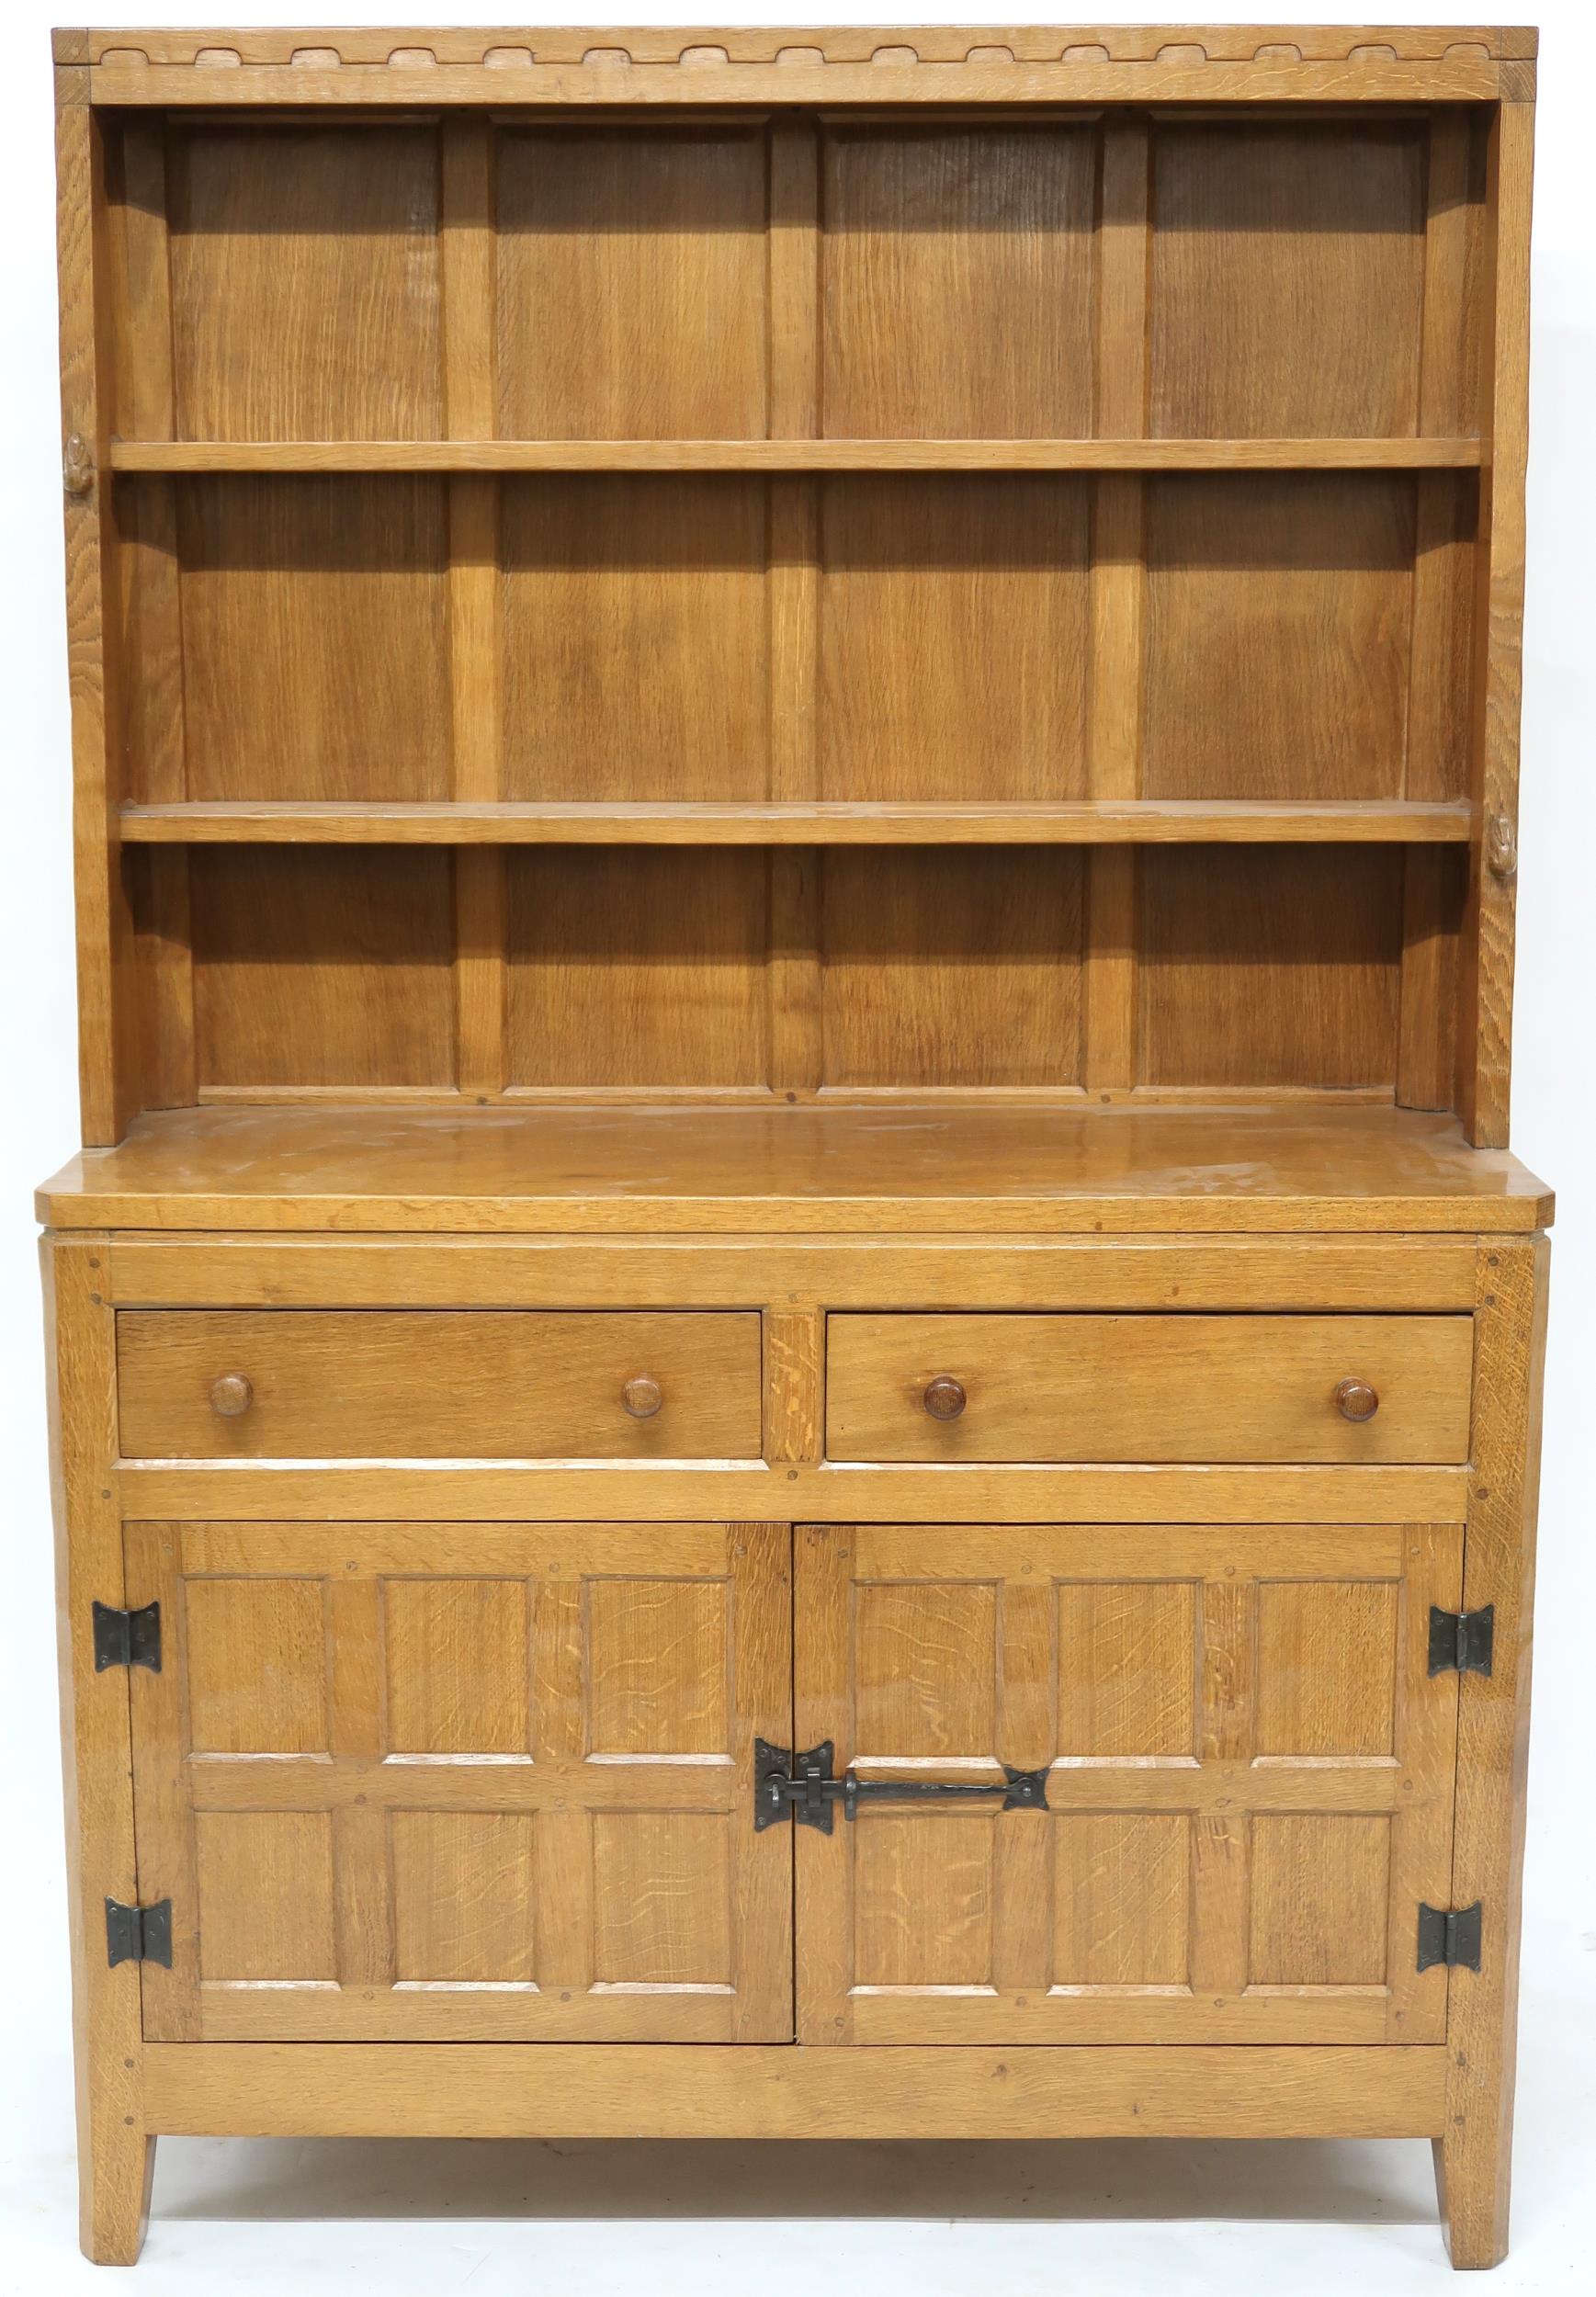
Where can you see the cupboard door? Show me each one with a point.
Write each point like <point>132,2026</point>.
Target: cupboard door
<point>463,1782</point>
<point>1249,1778</point>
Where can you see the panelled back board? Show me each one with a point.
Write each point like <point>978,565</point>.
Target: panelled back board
<point>795,765</point>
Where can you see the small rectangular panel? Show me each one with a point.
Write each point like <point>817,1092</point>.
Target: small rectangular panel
<point>1279,620</point>
<point>464,1898</point>
<point>255,1659</point>
<point>265,1881</point>
<point>420,1384</point>
<point>951,968</point>
<point>1319,1892</point>
<point>1121,1887</point>
<point>1263,971</point>
<point>314,637</point>
<point>662,1890</point>
<point>633,967</point>
<point>321,967</point>
<point>458,1666</point>
<point>1148,1389</point>
<point>658,1662</point>
<point>635,638</point>
<point>954,638</point>
<point>1288,279</point>
<point>925,1656</point>
<point>958,278</point>
<point>923,1900</point>
<point>305,282</point>
<point>1127,1660</point>
<point>630,280</point>
<point>1326,1668</point>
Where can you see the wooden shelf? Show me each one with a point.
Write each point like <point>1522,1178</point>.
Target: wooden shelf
<point>797,454</point>
<point>1152,821</point>
<point>826,1168</point>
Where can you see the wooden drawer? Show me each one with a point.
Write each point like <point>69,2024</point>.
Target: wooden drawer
<point>202,1383</point>
<point>1162,1388</point>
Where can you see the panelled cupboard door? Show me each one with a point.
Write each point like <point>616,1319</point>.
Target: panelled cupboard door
<point>465,1782</point>
<point>1249,1779</point>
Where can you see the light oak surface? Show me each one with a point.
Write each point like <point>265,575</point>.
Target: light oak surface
<point>869,1166</point>
<point>1249,1779</point>
<point>1154,1388</point>
<point>480,1387</point>
<point>794,768</point>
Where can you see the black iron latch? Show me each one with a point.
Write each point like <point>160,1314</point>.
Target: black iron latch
<point>1449,1937</point>
<point>139,1933</point>
<point>126,1638</point>
<point>804,1784</point>
<point>1462,1639</point>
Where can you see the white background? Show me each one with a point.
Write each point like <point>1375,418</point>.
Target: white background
<point>720,2218</point>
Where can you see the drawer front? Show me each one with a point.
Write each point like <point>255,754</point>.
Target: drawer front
<point>273,1383</point>
<point>1154,1388</point>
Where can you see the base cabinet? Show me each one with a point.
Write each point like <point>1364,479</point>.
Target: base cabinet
<point>494,1782</point>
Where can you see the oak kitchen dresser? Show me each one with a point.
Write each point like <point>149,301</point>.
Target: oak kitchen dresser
<point>795,1366</point>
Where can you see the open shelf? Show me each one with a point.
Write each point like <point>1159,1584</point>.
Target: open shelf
<point>1153,822</point>
<point>376,456</point>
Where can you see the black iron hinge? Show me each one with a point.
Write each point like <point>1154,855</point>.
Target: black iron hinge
<point>139,1933</point>
<point>1449,1937</point>
<point>804,1784</point>
<point>126,1638</point>
<point>1462,1639</point>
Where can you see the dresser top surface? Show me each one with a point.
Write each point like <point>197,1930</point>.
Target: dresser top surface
<point>909,1168</point>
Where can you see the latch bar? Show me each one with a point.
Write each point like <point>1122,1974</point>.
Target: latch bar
<point>804,1784</point>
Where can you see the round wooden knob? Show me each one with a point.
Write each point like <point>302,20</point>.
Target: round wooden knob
<point>945,1397</point>
<point>232,1396</point>
<point>1355,1399</point>
<point>642,1396</point>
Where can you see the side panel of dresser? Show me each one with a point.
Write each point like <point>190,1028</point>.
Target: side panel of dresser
<point>115,2157</point>
<point>1474,2159</point>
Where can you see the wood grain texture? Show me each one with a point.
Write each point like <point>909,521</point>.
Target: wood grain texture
<point>832,1170</point>
<point>782,452</point>
<point>786,822</point>
<point>108,1082</point>
<point>631,282</point>
<point>1487,944</point>
<point>634,968</point>
<point>953,634</point>
<point>957,281</point>
<point>514,1804</point>
<point>910,1918</point>
<point>116,2158</point>
<point>1288,977</point>
<point>1285,279</point>
<point>1474,2155</point>
<point>1155,1388</point>
<point>1099,1271</point>
<point>541,2091</point>
<point>634,638</point>
<point>428,1385</point>
<point>950,969</point>
<point>330,973</point>
<point>315,637</point>
<point>1278,636</point>
<point>322,242</point>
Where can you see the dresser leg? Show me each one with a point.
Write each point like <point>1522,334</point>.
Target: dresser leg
<point>114,2169</point>
<point>1473,2179</point>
